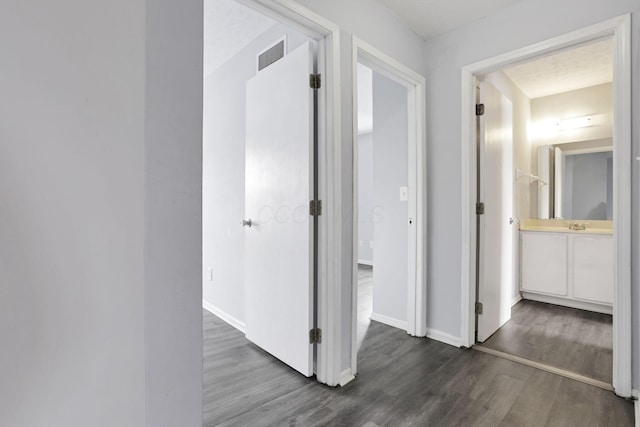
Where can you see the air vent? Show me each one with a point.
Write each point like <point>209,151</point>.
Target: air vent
<point>271,55</point>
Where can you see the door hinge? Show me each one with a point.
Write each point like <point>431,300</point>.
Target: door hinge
<point>479,208</point>
<point>315,81</point>
<point>478,308</point>
<point>315,336</point>
<point>315,207</point>
<point>479,109</point>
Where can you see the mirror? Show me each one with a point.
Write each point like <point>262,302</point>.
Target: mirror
<point>578,180</point>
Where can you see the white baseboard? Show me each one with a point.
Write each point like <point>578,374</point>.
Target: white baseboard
<point>516,300</point>
<point>443,337</point>
<point>390,321</point>
<point>224,316</point>
<point>365,262</point>
<point>582,305</point>
<point>346,377</point>
<point>636,405</point>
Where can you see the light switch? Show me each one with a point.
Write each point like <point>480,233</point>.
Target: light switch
<point>210,274</point>
<point>404,194</point>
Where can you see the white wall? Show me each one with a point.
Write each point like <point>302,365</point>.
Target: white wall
<point>390,172</point>
<point>366,206</point>
<point>71,213</point>
<point>522,24</point>
<point>173,212</point>
<point>99,213</point>
<point>224,173</point>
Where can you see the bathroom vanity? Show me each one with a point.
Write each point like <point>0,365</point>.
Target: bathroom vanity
<point>568,263</point>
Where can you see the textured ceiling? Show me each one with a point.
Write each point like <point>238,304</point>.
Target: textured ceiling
<point>429,18</point>
<point>576,68</point>
<point>228,27</point>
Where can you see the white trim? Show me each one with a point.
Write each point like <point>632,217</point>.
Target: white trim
<point>239,325</point>
<point>365,262</point>
<point>582,305</point>
<point>636,406</point>
<point>444,337</point>
<point>635,393</point>
<point>389,321</point>
<point>417,270</point>
<point>516,300</point>
<point>329,298</point>
<point>346,377</point>
<point>619,29</point>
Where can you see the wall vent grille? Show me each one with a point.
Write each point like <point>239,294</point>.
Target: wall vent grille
<point>271,55</point>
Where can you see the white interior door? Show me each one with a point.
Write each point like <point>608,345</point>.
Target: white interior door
<point>279,186</point>
<point>495,290</point>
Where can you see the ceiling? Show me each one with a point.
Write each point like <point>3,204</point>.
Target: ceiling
<point>576,68</point>
<point>228,27</point>
<point>429,18</point>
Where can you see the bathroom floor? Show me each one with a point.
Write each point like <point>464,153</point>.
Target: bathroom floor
<point>574,340</point>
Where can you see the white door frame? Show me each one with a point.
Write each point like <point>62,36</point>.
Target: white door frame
<point>619,29</point>
<point>327,34</point>
<point>381,63</point>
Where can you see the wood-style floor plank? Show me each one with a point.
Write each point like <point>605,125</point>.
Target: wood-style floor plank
<point>403,381</point>
<point>579,341</point>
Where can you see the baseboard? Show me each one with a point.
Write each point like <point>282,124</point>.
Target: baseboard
<point>636,405</point>
<point>224,316</point>
<point>582,305</point>
<point>365,262</point>
<point>443,337</point>
<point>346,377</point>
<point>516,300</point>
<point>390,321</point>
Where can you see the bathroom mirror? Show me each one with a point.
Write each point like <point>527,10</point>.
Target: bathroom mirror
<point>578,180</point>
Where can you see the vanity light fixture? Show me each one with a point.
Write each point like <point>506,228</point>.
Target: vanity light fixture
<point>575,123</point>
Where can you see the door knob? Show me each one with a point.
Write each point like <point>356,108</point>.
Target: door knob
<point>246,222</point>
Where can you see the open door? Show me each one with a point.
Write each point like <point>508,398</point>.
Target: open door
<point>495,244</point>
<point>279,230</point>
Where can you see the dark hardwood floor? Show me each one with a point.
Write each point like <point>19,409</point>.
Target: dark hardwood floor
<point>575,340</point>
<point>403,381</point>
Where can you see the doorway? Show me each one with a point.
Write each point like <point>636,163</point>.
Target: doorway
<point>235,171</point>
<point>563,266</point>
<point>389,197</point>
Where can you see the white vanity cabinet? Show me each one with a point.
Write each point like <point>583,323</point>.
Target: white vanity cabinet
<point>592,260</point>
<point>571,269</point>
<point>544,263</point>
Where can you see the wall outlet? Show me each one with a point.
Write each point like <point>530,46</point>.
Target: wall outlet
<point>210,274</point>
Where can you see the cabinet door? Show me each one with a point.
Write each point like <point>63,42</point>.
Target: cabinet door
<point>593,268</point>
<point>544,263</point>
